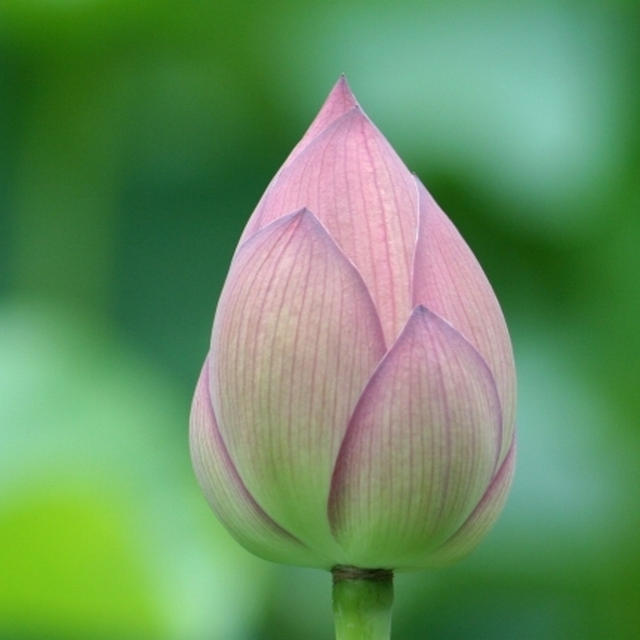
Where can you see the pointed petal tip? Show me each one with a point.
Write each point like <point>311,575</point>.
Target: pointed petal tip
<point>301,220</point>
<point>295,217</point>
<point>342,101</point>
<point>419,313</point>
<point>304,216</point>
<point>341,88</point>
<point>422,312</point>
<point>300,213</point>
<point>306,219</point>
<point>337,103</point>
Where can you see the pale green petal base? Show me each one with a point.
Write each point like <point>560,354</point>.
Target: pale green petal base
<point>362,601</point>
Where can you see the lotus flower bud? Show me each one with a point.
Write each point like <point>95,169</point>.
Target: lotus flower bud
<point>356,406</point>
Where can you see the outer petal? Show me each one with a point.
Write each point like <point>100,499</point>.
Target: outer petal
<point>226,493</point>
<point>295,339</point>
<point>360,190</point>
<point>481,520</point>
<point>420,449</point>
<point>449,280</point>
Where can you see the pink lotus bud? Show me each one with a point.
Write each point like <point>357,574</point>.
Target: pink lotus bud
<point>357,403</point>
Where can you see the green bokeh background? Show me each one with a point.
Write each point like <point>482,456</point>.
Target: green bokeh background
<point>136,138</point>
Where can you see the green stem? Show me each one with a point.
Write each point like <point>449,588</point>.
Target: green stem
<point>362,600</point>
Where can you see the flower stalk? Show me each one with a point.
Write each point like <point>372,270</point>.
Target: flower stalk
<point>362,600</point>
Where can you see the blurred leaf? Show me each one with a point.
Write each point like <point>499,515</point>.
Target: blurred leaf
<point>104,530</point>
<point>69,568</point>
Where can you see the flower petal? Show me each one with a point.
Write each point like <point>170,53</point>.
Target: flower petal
<point>338,102</point>
<point>449,280</point>
<point>295,339</point>
<point>483,517</point>
<point>420,449</point>
<point>226,493</point>
<point>360,190</point>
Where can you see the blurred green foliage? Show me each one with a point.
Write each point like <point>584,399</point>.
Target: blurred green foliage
<point>136,139</point>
